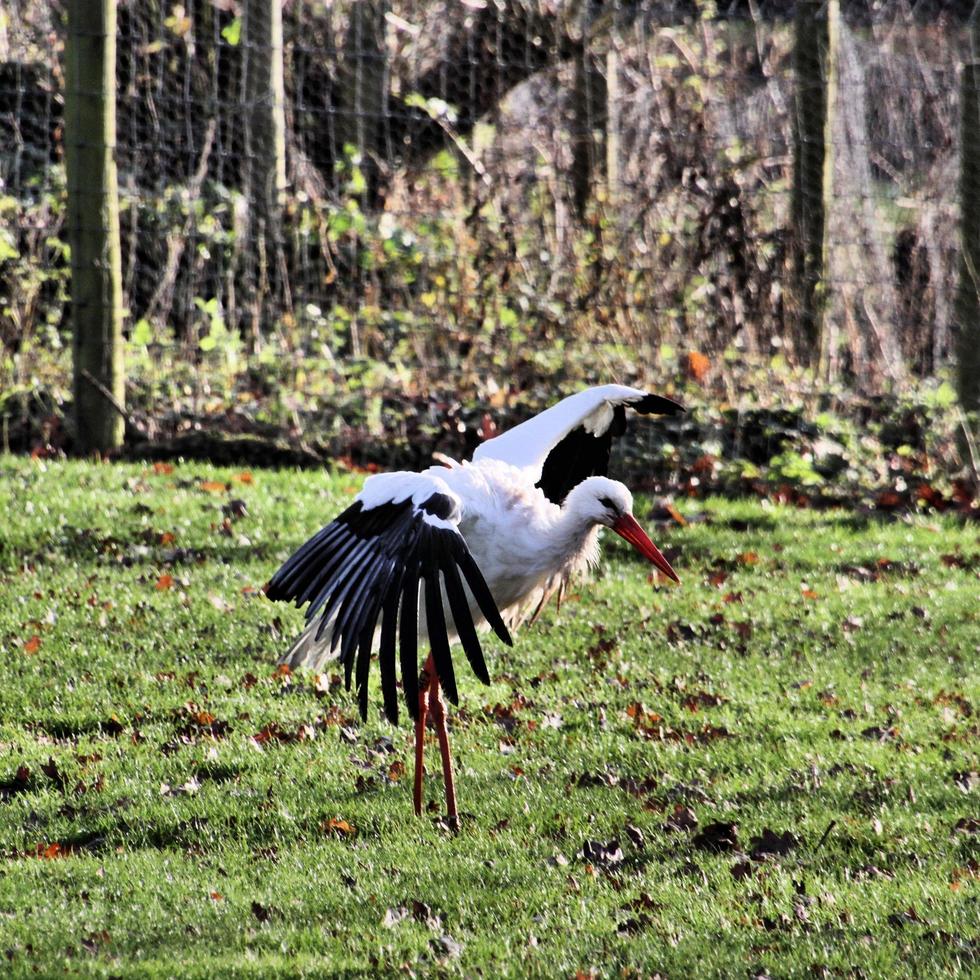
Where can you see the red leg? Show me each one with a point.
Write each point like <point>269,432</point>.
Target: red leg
<point>427,671</point>
<point>439,717</point>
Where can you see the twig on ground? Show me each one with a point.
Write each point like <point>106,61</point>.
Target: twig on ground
<point>826,834</point>
<point>113,401</point>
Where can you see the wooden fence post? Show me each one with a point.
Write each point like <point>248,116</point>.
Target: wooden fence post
<point>968,292</point>
<point>362,114</point>
<point>93,224</point>
<point>588,119</point>
<point>265,149</point>
<point>815,62</point>
<point>612,122</point>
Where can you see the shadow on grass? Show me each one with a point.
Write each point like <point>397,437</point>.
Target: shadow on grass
<point>72,729</point>
<point>83,546</point>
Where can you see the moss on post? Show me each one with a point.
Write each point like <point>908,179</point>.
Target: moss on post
<point>93,224</point>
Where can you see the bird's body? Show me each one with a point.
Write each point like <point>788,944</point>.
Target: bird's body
<point>434,557</point>
<point>521,540</point>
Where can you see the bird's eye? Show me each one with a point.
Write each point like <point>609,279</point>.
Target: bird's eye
<point>607,503</point>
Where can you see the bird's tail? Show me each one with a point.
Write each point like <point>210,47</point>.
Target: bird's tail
<point>309,652</point>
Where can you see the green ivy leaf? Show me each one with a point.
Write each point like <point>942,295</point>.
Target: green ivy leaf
<point>8,249</point>
<point>142,333</point>
<point>945,395</point>
<point>233,32</point>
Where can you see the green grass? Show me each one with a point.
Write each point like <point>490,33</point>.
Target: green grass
<point>844,660</point>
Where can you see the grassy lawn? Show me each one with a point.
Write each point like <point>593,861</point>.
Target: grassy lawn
<point>170,805</point>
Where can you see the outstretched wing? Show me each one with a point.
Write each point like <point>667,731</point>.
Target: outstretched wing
<point>361,576</point>
<point>572,440</point>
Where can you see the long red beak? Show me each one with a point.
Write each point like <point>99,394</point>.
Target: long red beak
<point>627,528</point>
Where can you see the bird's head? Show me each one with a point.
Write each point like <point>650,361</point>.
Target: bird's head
<point>609,503</point>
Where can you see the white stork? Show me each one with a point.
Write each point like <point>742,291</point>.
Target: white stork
<point>438,556</point>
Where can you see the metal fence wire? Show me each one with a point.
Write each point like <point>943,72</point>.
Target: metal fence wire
<point>523,170</point>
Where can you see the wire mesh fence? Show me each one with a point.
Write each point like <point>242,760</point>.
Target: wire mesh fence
<point>492,187</point>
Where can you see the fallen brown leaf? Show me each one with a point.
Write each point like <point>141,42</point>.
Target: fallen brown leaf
<point>772,843</point>
<point>261,912</point>
<point>717,837</point>
<point>697,365</point>
<point>683,819</point>
<point>741,869</point>
<point>339,827</point>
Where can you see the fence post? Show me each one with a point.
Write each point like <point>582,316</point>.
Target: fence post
<point>265,143</point>
<point>588,112</point>
<point>362,112</point>
<point>968,292</point>
<point>612,122</point>
<point>93,224</point>
<point>815,62</point>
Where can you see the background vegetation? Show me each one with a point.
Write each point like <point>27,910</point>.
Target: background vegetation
<point>485,206</point>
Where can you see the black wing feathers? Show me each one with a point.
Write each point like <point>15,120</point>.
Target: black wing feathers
<point>366,568</point>
<point>465,629</point>
<point>481,591</point>
<point>578,456</point>
<point>581,454</point>
<point>657,405</point>
<point>408,635</point>
<point>436,621</point>
<point>386,660</point>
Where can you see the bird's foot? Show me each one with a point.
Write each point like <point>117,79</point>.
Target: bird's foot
<point>448,824</point>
